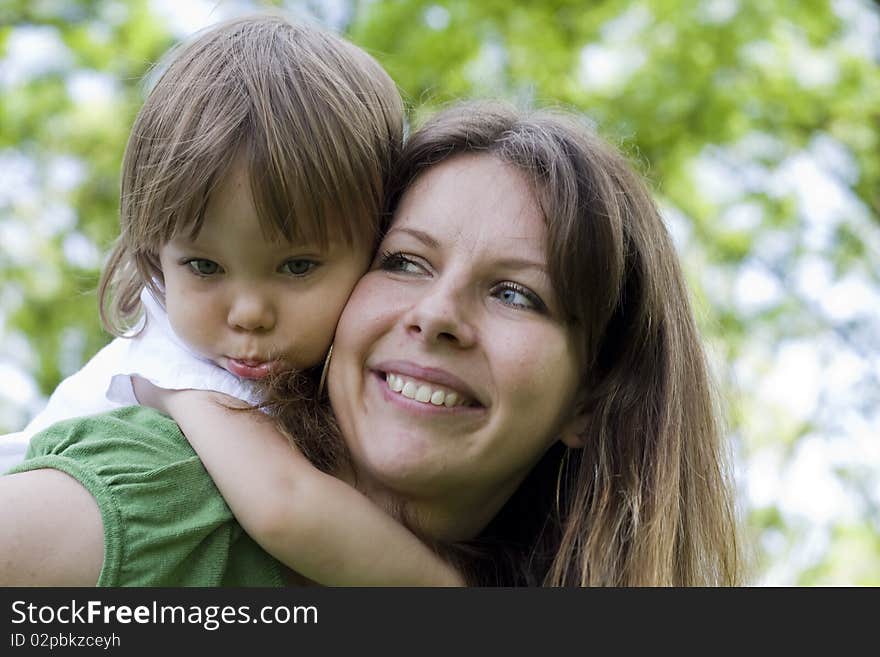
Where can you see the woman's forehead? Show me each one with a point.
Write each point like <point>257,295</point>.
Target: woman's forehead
<point>471,200</point>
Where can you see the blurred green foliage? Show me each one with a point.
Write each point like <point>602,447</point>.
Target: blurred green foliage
<point>746,90</point>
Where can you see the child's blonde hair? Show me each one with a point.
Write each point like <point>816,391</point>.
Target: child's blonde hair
<point>317,121</point>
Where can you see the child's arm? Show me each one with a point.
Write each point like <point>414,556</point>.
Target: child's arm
<point>314,523</point>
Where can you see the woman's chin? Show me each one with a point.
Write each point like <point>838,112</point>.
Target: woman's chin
<point>402,468</point>
<point>404,471</point>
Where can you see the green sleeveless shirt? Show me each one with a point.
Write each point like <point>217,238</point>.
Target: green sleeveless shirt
<point>165,523</point>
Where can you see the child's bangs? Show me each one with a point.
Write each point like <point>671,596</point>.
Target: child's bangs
<point>200,170</point>
<point>315,177</point>
<point>313,193</point>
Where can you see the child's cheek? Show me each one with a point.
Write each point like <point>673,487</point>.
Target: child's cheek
<point>193,321</point>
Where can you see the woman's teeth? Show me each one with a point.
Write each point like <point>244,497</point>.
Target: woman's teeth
<point>424,393</point>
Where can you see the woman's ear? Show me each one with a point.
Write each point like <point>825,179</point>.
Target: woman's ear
<point>574,433</point>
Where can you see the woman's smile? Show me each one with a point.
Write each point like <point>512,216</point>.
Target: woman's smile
<point>422,397</point>
<point>428,385</point>
<point>425,392</point>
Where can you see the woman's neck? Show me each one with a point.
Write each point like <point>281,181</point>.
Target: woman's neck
<point>445,518</point>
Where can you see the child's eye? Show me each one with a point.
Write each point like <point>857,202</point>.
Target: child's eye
<point>518,296</point>
<point>298,266</point>
<point>202,267</point>
<point>400,262</point>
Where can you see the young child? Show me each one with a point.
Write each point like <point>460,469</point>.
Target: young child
<point>252,187</point>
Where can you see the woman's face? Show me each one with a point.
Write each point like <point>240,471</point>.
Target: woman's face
<point>453,371</point>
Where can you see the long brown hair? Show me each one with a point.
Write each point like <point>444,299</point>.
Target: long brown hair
<point>649,498</point>
<point>317,120</point>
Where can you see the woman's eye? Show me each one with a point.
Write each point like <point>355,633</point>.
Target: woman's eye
<point>203,267</point>
<point>517,296</point>
<point>400,262</point>
<point>298,267</point>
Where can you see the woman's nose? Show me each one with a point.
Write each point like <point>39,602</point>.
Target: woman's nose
<point>251,312</point>
<point>442,316</point>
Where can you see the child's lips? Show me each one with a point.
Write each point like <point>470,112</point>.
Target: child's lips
<point>251,369</point>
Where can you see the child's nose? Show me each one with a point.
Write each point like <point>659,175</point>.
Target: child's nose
<point>251,312</point>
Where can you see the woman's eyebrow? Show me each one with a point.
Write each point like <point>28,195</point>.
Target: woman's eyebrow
<point>420,235</point>
<point>507,263</point>
<point>521,263</point>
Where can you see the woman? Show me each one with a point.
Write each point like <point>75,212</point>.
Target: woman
<point>625,480</point>
<point>527,276</point>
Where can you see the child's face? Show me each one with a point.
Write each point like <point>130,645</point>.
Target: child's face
<point>250,304</point>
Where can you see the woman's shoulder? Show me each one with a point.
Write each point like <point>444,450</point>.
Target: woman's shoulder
<point>165,523</point>
<point>133,434</point>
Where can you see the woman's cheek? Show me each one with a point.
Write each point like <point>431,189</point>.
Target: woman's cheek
<point>542,375</point>
<point>377,303</point>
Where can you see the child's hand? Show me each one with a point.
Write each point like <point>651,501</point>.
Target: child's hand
<point>173,402</point>
<point>149,395</point>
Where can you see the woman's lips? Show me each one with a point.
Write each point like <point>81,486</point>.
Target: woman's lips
<point>418,408</point>
<point>431,376</point>
<point>251,369</point>
<point>426,392</point>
